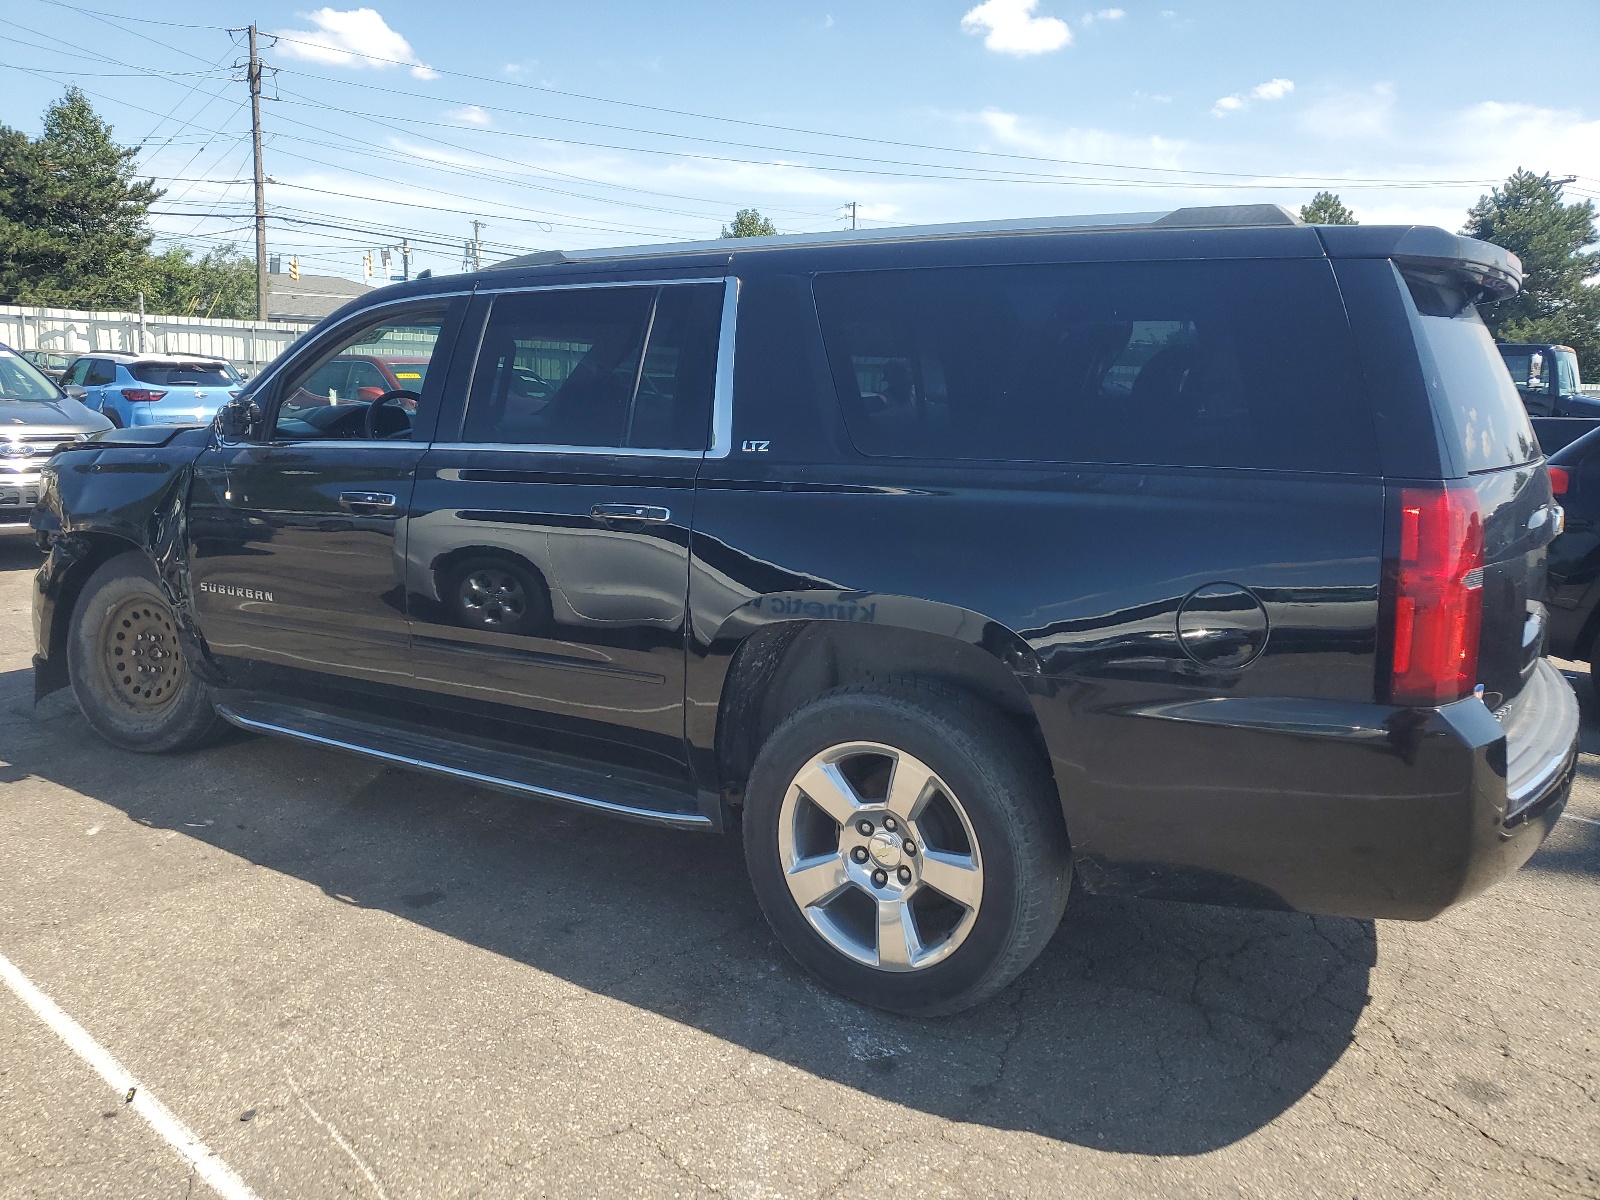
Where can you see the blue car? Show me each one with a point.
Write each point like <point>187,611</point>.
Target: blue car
<point>153,389</point>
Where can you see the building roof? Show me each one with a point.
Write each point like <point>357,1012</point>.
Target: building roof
<point>311,297</point>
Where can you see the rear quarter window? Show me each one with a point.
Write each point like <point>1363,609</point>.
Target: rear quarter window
<point>1228,364</point>
<point>1474,398</point>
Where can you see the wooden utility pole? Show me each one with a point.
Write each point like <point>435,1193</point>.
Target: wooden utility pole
<point>477,246</point>
<point>405,258</point>
<point>852,214</point>
<point>261,179</point>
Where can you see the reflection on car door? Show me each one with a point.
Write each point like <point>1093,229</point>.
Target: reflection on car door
<point>547,552</point>
<point>296,546</point>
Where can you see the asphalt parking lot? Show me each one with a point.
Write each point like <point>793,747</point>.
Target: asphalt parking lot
<point>353,981</point>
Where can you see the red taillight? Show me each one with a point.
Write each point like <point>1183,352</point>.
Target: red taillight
<point>1438,596</point>
<point>1559,481</point>
<point>141,394</point>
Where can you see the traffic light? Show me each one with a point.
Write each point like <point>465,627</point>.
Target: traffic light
<point>294,268</point>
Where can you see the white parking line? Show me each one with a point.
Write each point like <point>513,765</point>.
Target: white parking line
<point>1585,820</point>
<point>174,1132</point>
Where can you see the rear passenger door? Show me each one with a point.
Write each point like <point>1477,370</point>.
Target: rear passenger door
<point>547,550</point>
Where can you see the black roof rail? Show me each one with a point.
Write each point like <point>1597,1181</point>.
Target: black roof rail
<point>1224,216</point>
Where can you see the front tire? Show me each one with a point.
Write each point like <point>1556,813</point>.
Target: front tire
<point>127,670</point>
<point>907,847</point>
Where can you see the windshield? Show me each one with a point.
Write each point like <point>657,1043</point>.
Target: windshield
<point>21,380</point>
<point>195,374</point>
<point>410,375</point>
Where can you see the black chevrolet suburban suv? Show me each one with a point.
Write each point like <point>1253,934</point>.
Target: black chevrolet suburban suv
<point>1195,555</point>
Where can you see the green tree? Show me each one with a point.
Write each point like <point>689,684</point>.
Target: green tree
<point>747,222</point>
<point>1327,209</point>
<point>1528,217</point>
<point>219,283</point>
<point>74,226</point>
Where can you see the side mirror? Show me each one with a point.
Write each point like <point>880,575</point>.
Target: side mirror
<point>76,392</point>
<point>239,420</point>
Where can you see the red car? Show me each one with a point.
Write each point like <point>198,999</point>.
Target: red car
<point>350,378</point>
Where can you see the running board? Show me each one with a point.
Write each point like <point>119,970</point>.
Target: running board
<point>408,746</point>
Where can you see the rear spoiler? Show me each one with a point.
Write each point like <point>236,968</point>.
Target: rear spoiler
<point>1493,273</point>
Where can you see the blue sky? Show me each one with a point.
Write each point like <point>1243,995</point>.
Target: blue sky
<point>547,121</point>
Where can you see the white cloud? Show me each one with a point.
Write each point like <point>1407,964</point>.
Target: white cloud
<point>355,37</point>
<point>1105,14</point>
<point>1272,89</point>
<point>470,115</point>
<point>1080,145</point>
<point>827,21</point>
<point>1009,27</point>
<point>1361,115</point>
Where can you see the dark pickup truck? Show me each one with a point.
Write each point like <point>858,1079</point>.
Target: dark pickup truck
<point>1548,380</point>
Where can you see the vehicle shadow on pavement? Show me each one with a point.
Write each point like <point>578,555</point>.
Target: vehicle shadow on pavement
<point>1145,1027</point>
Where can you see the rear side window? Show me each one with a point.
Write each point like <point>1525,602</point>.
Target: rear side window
<point>101,372</point>
<point>1230,364</point>
<point>1476,402</point>
<point>602,367</point>
<point>183,374</point>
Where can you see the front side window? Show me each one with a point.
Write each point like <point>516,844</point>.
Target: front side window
<point>342,395</point>
<point>1224,364</point>
<point>604,367</point>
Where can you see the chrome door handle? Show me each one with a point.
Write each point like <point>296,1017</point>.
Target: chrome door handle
<point>630,512</point>
<point>358,500</point>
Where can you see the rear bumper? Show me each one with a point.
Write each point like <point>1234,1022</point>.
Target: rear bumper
<point>1353,810</point>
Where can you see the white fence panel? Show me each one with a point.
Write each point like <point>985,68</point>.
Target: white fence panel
<point>249,345</point>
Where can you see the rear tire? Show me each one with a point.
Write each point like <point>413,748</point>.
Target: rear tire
<point>963,875</point>
<point>127,671</point>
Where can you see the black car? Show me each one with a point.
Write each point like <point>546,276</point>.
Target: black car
<point>1200,556</point>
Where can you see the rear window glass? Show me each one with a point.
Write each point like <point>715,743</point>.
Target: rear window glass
<point>199,374</point>
<point>1476,401</point>
<point>1231,364</point>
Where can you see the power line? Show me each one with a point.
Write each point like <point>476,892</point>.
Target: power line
<point>1295,181</point>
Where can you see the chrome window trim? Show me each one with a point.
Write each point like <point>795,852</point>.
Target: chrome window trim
<point>596,284</point>
<point>594,451</point>
<point>721,398</point>
<point>722,388</point>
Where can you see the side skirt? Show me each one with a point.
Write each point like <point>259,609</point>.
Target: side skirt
<point>403,745</point>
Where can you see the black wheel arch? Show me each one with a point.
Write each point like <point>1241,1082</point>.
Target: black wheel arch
<point>782,666</point>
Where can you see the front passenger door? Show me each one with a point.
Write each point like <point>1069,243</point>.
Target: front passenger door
<point>297,538</point>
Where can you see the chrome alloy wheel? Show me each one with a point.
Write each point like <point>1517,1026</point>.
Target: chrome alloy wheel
<point>493,598</point>
<point>880,856</point>
<point>139,650</point>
